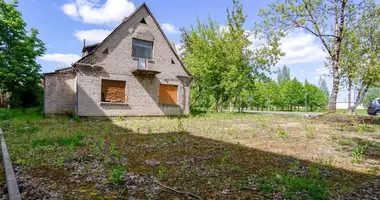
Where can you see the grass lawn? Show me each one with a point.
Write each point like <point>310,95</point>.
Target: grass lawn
<point>213,156</point>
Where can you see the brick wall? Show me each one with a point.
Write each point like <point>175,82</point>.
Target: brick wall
<point>118,64</point>
<point>59,95</point>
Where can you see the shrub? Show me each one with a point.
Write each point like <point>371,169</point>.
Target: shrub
<point>358,153</point>
<point>116,175</point>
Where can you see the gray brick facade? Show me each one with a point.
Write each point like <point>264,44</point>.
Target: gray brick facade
<point>142,91</point>
<point>59,97</point>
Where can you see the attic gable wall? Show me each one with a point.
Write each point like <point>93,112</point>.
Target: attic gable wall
<point>119,58</point>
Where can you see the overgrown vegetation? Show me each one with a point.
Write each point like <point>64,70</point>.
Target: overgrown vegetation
<point>213,156</point>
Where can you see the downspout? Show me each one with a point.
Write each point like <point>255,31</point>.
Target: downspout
<point>44,104</point>
<point>76,91</point>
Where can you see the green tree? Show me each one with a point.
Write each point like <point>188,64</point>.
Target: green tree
<point>19,71</point>
<point>316,97</point>
<point>322,84</point>
<point>373,93</point>
<point>326,20</point>
<point>361,58</point>
<point>259,95</point>
<point>293,93</point>
<point>222,64</point>
<point>283,75</point>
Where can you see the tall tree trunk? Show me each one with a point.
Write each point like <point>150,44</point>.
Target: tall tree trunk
<point>197,97</point>
<point>360,97</point>
<point>339,27</point>
<point>350,111</point>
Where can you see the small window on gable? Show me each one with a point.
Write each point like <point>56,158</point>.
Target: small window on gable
<point>105,51</point>
<point>173,61</point>
<point>113,91</point>
<point>142,49</point>
<point>168,94</point>
<point>143,21</point>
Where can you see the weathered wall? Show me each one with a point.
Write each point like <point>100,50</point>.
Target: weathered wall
<point>59,92</point>
<point>142,91</point>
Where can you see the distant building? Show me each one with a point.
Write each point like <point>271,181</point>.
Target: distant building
<point>344,105</point>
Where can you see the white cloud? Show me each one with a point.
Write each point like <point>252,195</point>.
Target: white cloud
<point>65,59</point>
<point>301,48</point>
<point>322,71</point>
<point>70,9</point>
<point>179,48</point>
<point>169,28</point>
<point>91,12</point>
<point>92,36</point>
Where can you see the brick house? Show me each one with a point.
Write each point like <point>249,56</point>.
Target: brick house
<point>135,71</point>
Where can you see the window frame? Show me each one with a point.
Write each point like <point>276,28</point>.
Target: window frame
<point>177,94</point>
<point>126,99</point>
<point>136,58</point>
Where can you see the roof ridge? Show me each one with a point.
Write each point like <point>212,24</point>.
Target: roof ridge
<point>125,20</point>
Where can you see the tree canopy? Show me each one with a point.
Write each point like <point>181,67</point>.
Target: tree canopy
<point>19,48</point>
<point>221,60</point>
<point>326,20</point>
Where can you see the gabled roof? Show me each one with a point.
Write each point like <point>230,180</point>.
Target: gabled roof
<point>126,19</point>
<point>90,47</point>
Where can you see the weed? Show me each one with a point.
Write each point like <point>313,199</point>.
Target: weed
<point>346,142</point>
<point>295,187</point>
<point>106,130</point>
<point>314,172</point>
<point>73,141</point>
<point>150,196</point>
<point>366,128</point>
<point>180,126</point>
<point>236,169</point>
<point>241,147</point>
<point>171,140</point>
<point>243,185</point>
<point>112,149</point>
<point>75,118</point>
<point>115,176</point>
<point>184,165</point>
<point>294,166</point>
<point>226,155</point>
<point>119,118</point>
<point>59,162</point>
<point>309,132</point>
<point>97,149</point>
<point>150,131</point>
<point>358,153</point>
<point>28,130</point>
<point>161,172</point>
<point>281,133</point>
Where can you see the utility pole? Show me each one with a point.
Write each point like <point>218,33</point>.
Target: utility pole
<point>306,106</point>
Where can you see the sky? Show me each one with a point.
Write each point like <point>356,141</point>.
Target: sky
<point>63,24</point>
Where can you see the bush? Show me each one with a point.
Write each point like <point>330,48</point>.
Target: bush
<point>115,176</point>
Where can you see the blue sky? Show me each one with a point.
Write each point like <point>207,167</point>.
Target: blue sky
<point>63,24</point>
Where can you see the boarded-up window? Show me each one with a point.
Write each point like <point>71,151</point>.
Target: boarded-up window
<point>113,91</point>
<point>168,94</point>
